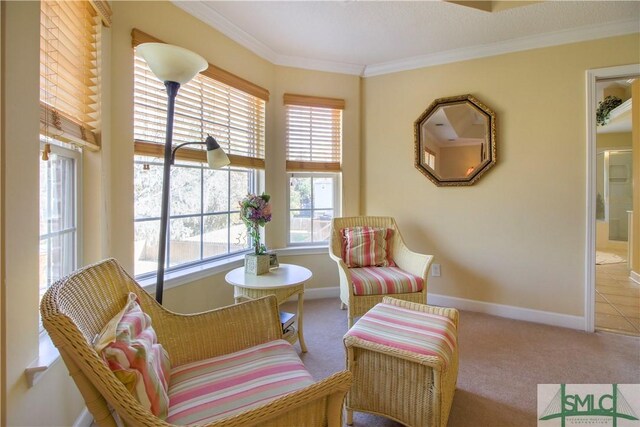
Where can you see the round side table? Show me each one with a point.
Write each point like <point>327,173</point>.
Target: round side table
<point>283,282</point>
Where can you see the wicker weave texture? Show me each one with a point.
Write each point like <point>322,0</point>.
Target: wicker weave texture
<point>75,309</point>
<point>410,388</point>
<point>412,262</point>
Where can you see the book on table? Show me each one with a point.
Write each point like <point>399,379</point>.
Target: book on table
<point>286,319</point>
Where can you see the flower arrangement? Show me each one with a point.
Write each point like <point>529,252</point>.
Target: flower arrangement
<point>255,212</point>
<point>604,108</point>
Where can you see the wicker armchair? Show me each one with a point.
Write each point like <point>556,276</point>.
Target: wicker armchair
<point>408,261</point>
<point>75,309</point>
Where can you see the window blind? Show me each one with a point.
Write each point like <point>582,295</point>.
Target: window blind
<point>69,71</point>
<point>205,105</point>
<point>314,133</point>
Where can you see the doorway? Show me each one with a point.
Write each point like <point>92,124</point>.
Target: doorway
<point>613,297</point>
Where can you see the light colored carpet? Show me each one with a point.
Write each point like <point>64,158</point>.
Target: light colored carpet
<point>501,363</point>
<point>608,258</point>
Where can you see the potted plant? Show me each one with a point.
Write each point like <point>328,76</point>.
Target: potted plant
<point>604,108</point>
<point>255,212</point>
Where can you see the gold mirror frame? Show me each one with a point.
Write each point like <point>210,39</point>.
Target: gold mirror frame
<point>487,147</point>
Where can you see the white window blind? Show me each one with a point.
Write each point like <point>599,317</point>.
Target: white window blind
<point>69,71</point>
<point>314,133</point>
<point>234,117</point>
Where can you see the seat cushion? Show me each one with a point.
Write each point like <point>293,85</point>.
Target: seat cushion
<point>405,329</point>
<point>207,390</point>
<point>384,281</point>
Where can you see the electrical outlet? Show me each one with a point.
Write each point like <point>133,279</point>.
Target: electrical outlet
<point>435,270</point>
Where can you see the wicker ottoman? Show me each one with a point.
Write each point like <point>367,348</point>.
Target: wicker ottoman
<point>404,360</point>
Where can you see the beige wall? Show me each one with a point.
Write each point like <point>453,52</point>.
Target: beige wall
<point>517,237</point>
<point>613,140</point>
<point>54,400</point>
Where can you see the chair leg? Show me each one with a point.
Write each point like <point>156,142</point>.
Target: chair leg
<point>349,321</point>
<point>343,306</point>
<point>349,417</point>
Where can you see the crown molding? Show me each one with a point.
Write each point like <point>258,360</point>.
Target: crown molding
<point>199,10</point>
<point>226,27</point>
<point>211,17</point>
<point>574,35</point>
<point>320,65</point>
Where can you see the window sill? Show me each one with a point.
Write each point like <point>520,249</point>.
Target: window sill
<point>48,355</point>
<point>191,274</point>
<point>302,250</point>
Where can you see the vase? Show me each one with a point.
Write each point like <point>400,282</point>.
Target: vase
<point>256,264</point>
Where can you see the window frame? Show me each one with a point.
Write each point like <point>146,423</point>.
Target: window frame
<point>337,205</point>
<point>256,180</point>
<point>243,103</point>
<point>60,150</point>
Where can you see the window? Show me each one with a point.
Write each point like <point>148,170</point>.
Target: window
<point>69,114</point>
<point>430,158</point>
<point>313,149</point>
<point>204,221</point>
<point>312,202</point>
<point>59,219</point>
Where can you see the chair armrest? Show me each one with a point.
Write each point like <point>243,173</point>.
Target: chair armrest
<point>192,337</point>
<point>412,262</point>
<point>451,313</point>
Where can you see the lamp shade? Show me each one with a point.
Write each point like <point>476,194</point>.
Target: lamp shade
<point>171,63</point>
<point>216,157</point>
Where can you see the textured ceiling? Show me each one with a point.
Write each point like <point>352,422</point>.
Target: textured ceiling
<point>363,34</point>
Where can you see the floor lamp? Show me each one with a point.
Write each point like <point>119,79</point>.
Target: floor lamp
<point>174,66</point>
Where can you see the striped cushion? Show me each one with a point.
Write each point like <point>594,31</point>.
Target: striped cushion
<point>365,246</point>
<point>405,329</point>
<point>384,281</point>
<point>204,391</point>
<point>129,346</point>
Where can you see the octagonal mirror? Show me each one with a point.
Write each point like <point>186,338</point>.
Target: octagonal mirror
<point>455,140</point>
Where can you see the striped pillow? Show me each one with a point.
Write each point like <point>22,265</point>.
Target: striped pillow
<point>129,346</point>
<point>366,246</point>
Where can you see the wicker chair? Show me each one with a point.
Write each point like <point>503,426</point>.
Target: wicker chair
<point>408,261</point>
<point>75,309</point>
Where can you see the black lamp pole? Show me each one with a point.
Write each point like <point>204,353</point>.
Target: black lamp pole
<point>172,92</point>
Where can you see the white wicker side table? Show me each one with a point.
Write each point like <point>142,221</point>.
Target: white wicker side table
<point>284,282</point>
<point>404,360</point>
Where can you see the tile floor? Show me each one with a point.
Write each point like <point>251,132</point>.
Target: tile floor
<point>617,298</point>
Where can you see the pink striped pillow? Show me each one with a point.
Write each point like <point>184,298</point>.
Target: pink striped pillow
<point>129,346</point>
<point>366,246</point>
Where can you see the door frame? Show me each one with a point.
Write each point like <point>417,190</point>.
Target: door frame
<point>590,243</point>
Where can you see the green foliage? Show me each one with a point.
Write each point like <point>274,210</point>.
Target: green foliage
<point>604,108</point>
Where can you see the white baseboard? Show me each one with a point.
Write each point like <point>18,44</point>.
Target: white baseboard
<point>319,293</point>
<point>635,277</point>
<point>509,311</point>
<point>84,419</point>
